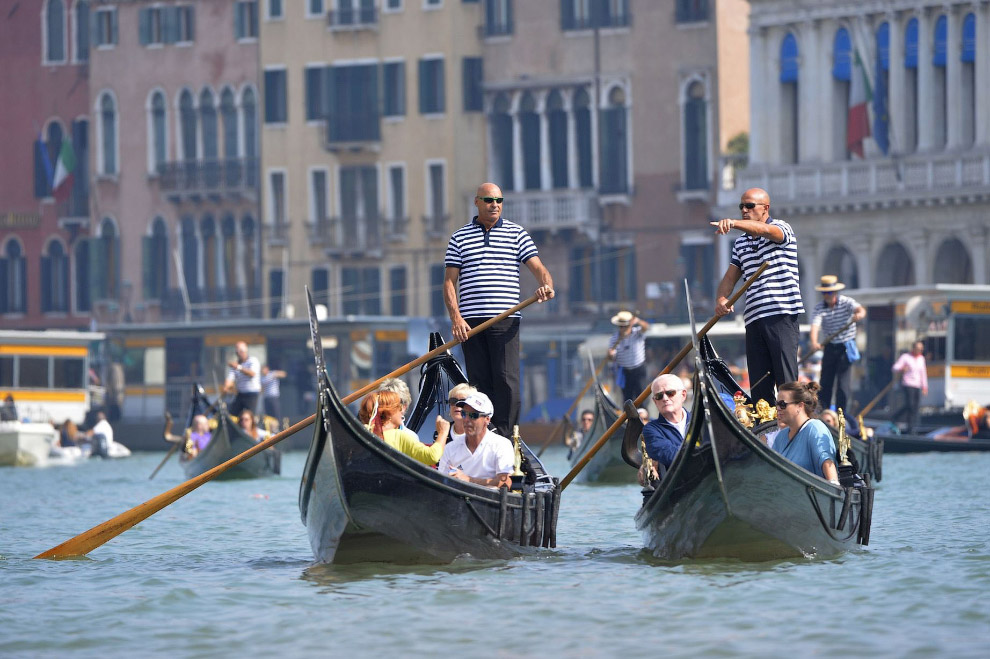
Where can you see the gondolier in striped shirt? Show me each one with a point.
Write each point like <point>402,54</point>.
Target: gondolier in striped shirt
<point>833,314</point>
<point>482,281</point>
<point>628,348</point>
<point>773,302</point>
<point>244,377</point>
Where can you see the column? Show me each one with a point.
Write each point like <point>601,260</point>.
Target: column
<point>895,82</point>
<point>572,155</point>
<point>546,176</point>
<point>758,107</point>
<point>810,106</point>
<point>977,240</point>
<point>953,79</point>
<point>595,164</point>
<point>920,253</point>
<point>926,100</point>
<point>982,76</point>
<point>862,251</point>
<point>518,181</point>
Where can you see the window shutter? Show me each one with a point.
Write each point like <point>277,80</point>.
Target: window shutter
<point>97,272</point>
<point>566,14</point>
<point>147,269</point>
<point>144,26</point>
<point>424,86</point>
<point>191,20</point>
<point>170,24</point>
<point>46,283</point>
<point>113,26</point>
<point>4,300</point>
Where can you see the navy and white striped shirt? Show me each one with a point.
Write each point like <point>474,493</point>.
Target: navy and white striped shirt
<point>630,352</point>
<point>778,290</point>
<point>247,384</point>
<point>270,387</point>
<point>831,319</point>
<point>489,266</point>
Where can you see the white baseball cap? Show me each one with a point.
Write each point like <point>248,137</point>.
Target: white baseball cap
<point>479,401</point>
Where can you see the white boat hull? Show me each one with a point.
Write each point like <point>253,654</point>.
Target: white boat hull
<point>26,444</point>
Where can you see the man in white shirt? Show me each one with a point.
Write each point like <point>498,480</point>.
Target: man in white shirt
<point>482,456</point>
<point>244,377</point>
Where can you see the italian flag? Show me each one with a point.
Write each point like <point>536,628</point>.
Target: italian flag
<point>66,165</point>
<point>860,95</point>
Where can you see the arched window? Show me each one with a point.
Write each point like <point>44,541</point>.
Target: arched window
<point>108,130</point>
<point>156,261</point>
<point>789,122</point>
<point>250,108</point>
<point>841,82</point>
<point>228,114</point>
<point>208,233</point>
<point>82,288</point>
<point>557,126</point>
<point>940,126</point>
<point>230,261</point>
<point>529,123</point>
<point>911,128</point>
<point>82,30</point>
<point>614,148</point>
<point>501,127</point>
<point>251,254</point>
<point>952,264</point>
<point>190,259</point>
<point>881,113</point>
<point>187,121</point>
<point>55,279</point>
<point>208,116</point>
<point>695,119</point>
<point>895,267</point>
<point>842,263</point>
<point>106,261</point>
<point>158,132</point>
<point>13,284</point>
<point>55,32</point>
<point>582,126</point>
<point>967,59</point>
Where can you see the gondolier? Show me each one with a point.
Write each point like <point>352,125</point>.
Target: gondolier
<point>628,349</point>
<point>244,377</point>
<point>831,318</point>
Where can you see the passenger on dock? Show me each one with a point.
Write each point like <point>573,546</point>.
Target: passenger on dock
<point>249,424</point>
<point>199,434</point>
<point>483,457</point>
<point>628,349</point>
<point>828,317</point>
<point>664,435</point>
<point>244,378</point>
<point>381,412</point>
<point>773,304</point>
<point>481,281</point>
<point>808,442</point>
<point>271,391</point>
<point>914,382</point>
<point>577,436</point>
<point>8,412</point>
<point>456,395</point>
<point>400,387</point>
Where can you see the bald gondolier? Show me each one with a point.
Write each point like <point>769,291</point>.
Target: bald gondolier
<point>831,318</point>
<point>628,349</point>
<point>481,281</point>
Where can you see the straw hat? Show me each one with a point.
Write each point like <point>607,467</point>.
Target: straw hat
<point>622,319</point>
<point>830,284</point>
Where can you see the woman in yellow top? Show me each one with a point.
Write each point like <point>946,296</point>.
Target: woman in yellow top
<point>381,413</point>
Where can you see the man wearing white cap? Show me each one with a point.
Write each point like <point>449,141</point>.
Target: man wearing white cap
<point>628,349</point>
<point>829,316</point>
<point>481,456</point>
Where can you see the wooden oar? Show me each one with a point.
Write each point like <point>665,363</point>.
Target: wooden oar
<point>167,433</point>
<point>870,406</point>
<point>828,339</point>
<point>576,469</point>
<point>563,421</point>
<point>164,460</point>
<point>89,540</point>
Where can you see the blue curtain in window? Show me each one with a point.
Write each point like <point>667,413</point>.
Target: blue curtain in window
<point>789,59</point>
<point>842,55</point>
<point>941,35</point>
<point>968,39</point>
<point>911,44</point>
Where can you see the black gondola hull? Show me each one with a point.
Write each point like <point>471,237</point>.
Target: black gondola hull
<point>924,444</point>
<point>607,465</point>
<point>228,441</point>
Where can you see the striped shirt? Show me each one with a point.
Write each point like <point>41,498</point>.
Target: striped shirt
<point>269,385</point>
<point>777,291</point>
<point>831,319</point>
<point>246,384</point>
<point>630,352</point>
<point>489,266</point>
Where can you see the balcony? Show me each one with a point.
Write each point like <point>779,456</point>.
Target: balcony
<point>354,131</point>
<point>277,232</point>
<point>862,184</point>
<point>232,178</point>
<point>353,19</point>
<point>437,226</point>
<point>554,210</point>
<point>396,228</point>
<point>353,236</point>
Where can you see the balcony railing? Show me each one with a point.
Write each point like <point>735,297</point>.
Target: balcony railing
<point>355,130</point>
<point>353,18</point>
<point>554,210</point>
<point>277,232</point>
<point>236,177</point>
<point>878,180</point>
<point>437,226</point>
<point>396,228</point>
<point>354,235</point>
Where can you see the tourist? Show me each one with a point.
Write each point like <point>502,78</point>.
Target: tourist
<point>808,442</point>
<point>381,412</point>
<point>483,457</point>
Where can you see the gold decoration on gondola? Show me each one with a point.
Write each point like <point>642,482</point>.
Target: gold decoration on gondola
<point>765,411</point>
<point>743,411</point>
<point>844,443</point>
<point>649,473</point>
<point>517,449</point>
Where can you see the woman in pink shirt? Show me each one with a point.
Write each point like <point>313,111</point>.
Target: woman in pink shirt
<point>914,381</point>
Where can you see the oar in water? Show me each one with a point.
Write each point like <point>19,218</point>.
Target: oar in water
<point>172,439</point>
<point>828,339</point>
<point>562,424</point>
<point>869,406</point>
<point>582,463</point>
<point>89,540</point>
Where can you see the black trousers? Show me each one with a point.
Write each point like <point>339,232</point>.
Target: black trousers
<point>836,376</point>
<point>771,348</point>
<point>912,406</point>
<point>272,407</point>
<point>244,401</point>
<point>492,360</point>
<point>635,382</point>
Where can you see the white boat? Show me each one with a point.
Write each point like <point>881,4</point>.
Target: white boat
<point>25,444</point>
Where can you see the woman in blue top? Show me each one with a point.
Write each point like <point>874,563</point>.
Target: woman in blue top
<point>808,442</point>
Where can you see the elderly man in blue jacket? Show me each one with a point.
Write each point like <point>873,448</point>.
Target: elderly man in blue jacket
<point>665,434</point>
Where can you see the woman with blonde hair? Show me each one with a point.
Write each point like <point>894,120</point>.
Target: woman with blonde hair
<point>381,413</point>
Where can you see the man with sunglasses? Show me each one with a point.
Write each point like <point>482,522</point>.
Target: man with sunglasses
<point>773,302</point>
<point>480,456</point>
<point>665,434</point>
<point>481,281</point>
<point>831,316</point>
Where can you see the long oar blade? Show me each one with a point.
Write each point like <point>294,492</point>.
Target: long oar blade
<point>582,463</point>
<point>89,540</point>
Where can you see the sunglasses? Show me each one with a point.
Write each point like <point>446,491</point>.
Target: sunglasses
<point>749,205</point>
<point>488,200</point>
<point>782,404</point>
<point>475,415</point>
<point>669,393</point>
<point>454,401</point>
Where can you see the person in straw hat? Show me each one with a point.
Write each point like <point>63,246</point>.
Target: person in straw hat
<point>628,349</point>
<point>829,316</point>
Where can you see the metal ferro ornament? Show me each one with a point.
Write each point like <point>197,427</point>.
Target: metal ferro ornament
<point>844,442</point>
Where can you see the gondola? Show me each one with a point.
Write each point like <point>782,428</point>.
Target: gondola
<point>607,465</point>
<point>727,495</point>
<point>943,440</point>
<point>226,441</point>
<point>361,500</point>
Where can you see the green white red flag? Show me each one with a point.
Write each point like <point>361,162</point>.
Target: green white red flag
<point>64,171</point>
<point>860,95</point>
